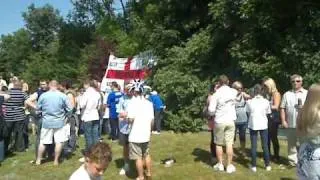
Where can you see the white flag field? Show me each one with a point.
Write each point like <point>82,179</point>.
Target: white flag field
<point>123,70</point>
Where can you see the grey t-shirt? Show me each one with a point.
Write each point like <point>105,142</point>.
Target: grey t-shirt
<point>241,110</point>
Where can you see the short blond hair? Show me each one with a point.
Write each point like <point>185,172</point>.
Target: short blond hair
<point>237,85</point>
<point>271,85</point>
<point>295,76</point>
<point>308,122</point>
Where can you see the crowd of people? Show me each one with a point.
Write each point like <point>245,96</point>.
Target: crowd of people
<point>60,114</point>
<point>262,110</point>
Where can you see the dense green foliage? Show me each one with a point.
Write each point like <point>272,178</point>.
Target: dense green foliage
<point>194,41</point>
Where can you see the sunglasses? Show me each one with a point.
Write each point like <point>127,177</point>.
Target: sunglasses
<point>296,81</point>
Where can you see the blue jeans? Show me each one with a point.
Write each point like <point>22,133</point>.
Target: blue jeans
<point>241,127</point>
<point>114,124</point>
<point>91,133</point>
<point>105,126</point>
<point>264,144</point>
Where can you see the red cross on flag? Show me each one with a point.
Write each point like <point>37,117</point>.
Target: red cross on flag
<point>123,70</point>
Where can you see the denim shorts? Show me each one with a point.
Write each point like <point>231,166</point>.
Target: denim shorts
<point>308,167</point>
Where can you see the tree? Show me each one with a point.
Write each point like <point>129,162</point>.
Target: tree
<point>43,24</point>
<point>14,52</point>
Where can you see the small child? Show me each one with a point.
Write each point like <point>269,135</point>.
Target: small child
<point>96,162</point>
<point>258,108</point>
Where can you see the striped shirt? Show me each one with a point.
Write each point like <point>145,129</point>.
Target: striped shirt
<point>14,107</point>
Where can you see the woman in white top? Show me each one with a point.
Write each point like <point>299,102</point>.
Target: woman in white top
<point>258,108</point>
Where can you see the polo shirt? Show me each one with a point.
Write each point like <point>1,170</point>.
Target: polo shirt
<point>289,103</point>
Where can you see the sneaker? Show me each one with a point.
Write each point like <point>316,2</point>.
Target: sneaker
<point>218,167</point>
<point>124,169</point>
<point>81,160</point>
<point>268,168</point>
<point>231,168</point>
<point>253,169</point>
<point>122,172</point>
<point>156,132</point>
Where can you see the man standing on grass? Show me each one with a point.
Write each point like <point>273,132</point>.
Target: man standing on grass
<point>158,107</point>
<point>222,107</point>
<point>291,103</point>
<point>124,127</point>
<point>54,106</point>
<point>112,103</point>
<point>90,103</point>
<point>15,117</point>
<point>141,115</point>
<point>32,103</point>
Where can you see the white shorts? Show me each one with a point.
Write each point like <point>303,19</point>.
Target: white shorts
<point>59,135</point>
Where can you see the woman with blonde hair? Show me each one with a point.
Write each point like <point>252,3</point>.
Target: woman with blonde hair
<point>308,125</point>
<point>274,98</point>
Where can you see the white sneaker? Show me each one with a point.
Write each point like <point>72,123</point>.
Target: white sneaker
<point>156,133</point>
<point>122,172</point>
<point>218,167</point>
<point>253,169</point>
<point>231,168</point>
<point>124,169</point>
<point>268,168</point>
<point>81,160</point>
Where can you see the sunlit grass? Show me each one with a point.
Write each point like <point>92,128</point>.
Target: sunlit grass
<point>190,150</point>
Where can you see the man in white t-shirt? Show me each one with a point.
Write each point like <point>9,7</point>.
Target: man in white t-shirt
<point>140,114</point>
<point>2,82</point>
<point>291,103</point>
<point>222,107</point>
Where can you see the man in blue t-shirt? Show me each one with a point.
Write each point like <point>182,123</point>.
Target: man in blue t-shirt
<point>158,107</point>
<point>112,103</point>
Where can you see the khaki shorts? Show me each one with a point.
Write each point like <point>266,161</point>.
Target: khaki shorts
<point>224,133</point>
<point>47,135</point>
<point>138,150</point>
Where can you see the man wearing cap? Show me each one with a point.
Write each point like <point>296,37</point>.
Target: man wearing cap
<point>140,114</point>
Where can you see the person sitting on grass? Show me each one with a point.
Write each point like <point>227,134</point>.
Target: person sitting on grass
<point>97,159</point>
<point>258,108</point>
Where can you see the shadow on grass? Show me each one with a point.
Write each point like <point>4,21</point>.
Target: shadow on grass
<point>244,159</point>
<point>202,155</point>
<point>132,174</point>
<point>9,154</point>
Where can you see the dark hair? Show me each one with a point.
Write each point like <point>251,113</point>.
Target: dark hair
<point>67,84</point>
<point>91,83</point>
<point>258,90</point>
<point>100,153</point>
<point>4,88</point>
<point>115,84</point>
<point>223,80</point>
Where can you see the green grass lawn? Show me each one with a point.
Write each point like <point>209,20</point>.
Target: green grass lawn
<point>190,150</point>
